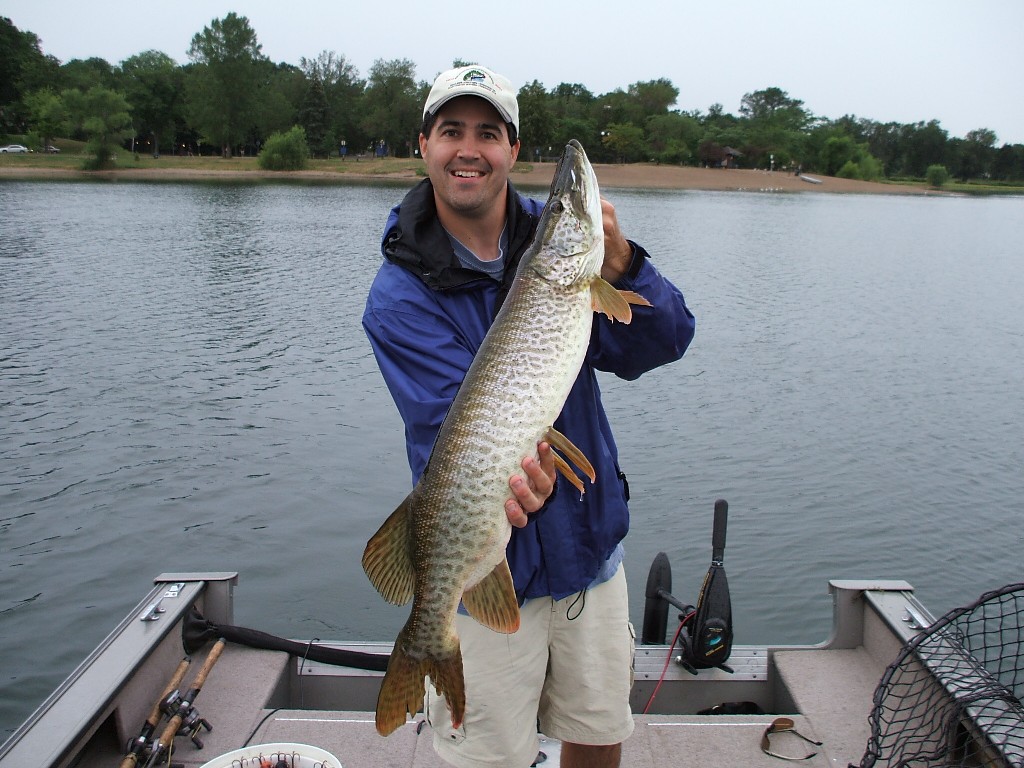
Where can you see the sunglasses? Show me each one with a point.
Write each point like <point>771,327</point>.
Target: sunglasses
<point>784,725</point>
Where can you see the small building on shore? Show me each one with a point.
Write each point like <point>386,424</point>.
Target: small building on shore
<point>712,155</point>
<point>730,157</point>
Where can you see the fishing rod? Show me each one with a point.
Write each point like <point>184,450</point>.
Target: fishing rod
<point>185,716</point>
<point>138,746</point>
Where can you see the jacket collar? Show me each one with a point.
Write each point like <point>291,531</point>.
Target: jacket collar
<point>418,242</point>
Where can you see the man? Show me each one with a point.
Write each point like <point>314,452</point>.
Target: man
<point>450,253</point>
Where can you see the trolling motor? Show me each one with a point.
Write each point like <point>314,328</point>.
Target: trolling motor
<point>705,633</point>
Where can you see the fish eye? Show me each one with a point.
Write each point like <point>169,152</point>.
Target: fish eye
<point>557,207</point>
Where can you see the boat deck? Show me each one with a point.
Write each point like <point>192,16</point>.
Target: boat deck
<point>257,697</point>
<point>240,694</point>
<point>239,704</point>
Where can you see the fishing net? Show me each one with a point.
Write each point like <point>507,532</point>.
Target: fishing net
<point>953,695</point>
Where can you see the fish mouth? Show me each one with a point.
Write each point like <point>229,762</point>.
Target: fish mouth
<point>569,178</point>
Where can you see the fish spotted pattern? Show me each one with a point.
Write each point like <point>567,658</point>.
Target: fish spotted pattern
<point>445,543</point>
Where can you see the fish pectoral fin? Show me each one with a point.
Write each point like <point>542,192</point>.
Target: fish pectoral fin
<point>566,471</point>
<point>613,303</point>
<point>387,560</point>
<point>632,297</point>
<point>560,442</point>
<point>492,600</point>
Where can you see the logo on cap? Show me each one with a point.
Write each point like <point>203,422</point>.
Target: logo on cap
<point>474,74</point>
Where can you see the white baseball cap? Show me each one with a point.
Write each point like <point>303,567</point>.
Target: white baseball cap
<point>479,81</point>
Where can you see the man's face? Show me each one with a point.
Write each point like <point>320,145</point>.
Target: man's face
<point>468,157</point>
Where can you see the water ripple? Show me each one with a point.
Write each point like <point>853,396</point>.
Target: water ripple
<point>182,368</point>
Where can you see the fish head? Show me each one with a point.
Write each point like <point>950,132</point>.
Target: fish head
<point>569,247</point>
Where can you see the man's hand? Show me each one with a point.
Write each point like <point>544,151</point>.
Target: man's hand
<point>618,253</point>
<point>532,490</point>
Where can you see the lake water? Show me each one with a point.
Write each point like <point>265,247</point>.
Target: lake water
<point>184,385</point>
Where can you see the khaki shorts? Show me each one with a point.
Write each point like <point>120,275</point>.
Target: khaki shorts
<point>568,668</point>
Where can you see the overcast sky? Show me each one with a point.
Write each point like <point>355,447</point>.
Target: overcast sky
<point>961,63</point>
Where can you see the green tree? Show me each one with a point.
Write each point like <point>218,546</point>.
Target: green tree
<point>223,88</point>
<point>315,118</point>
<point>83,74</point>
<point>155,88</point>
<point>104,116</point>
<point>974,155</point>
<point>850,170</point>
<point>394,105</point>
<point>536,120</point>
<point>776,125</point>
<point>344,90</point>
<point>869,167</point>
<point>285,151</point>
<point>936,175</point>
<point>653,97</point>
<point>571,106</point>
<point>625,141</point>
<point>775,107</point>
<point>572,101</point>
<point>673,138</point>
<point>584,130</point>
<point>850,125</point>
<point>923,144</point>
<point>282,89</point>
<point>837,152</point>
<point>884,143</point>
<point>615,107</point>
<point>48,115</point>
<point>24,69</point>
<point>1008,163</point>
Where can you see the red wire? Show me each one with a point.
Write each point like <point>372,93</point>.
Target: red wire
<point>668,660</point>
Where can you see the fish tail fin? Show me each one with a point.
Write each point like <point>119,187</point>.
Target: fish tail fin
<point>447,677</point>
<point>401,692</point>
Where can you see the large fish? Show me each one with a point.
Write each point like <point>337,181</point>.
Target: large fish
<point>446,542</point>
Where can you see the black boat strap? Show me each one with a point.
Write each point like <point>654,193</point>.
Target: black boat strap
<point>196,631</point>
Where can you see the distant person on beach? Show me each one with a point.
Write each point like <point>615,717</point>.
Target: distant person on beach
<point>451,249</point>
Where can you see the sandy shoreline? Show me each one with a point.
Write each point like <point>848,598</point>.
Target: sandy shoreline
<point>634,176</point>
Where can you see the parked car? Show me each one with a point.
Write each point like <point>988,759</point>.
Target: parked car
<point>14,148</point>
<point>51,149</point>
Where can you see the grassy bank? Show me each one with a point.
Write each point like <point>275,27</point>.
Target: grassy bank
<point>74,161</point>
<point>71,160</point>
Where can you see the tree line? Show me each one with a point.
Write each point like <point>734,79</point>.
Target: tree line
<point>230,98</point>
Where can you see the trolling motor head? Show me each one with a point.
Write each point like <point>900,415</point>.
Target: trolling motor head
<point>706,633</point>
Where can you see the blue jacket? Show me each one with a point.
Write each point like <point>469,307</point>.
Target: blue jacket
<point>426,316</point>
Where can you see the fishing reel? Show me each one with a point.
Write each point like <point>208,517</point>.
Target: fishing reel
<point>191,723</point>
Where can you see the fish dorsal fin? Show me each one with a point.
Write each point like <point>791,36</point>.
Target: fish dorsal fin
<point>492,600</point>
<point>562,443</point>
<point>387,560</point>
<point>614,303</point>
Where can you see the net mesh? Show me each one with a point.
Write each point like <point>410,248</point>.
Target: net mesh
<point>952,697</point>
